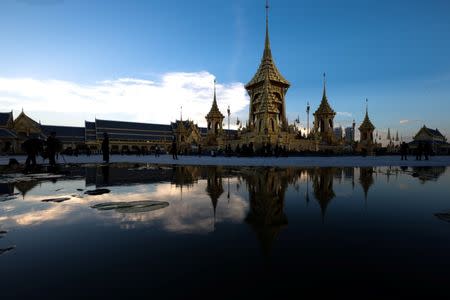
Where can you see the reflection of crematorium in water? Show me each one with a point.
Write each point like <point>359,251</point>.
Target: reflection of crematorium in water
<point>266,187</point>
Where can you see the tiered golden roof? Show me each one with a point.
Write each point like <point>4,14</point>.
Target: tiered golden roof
<point>214,113</point>
<point>367,124</point>
<point>267,68</point>
<point>324,107</point>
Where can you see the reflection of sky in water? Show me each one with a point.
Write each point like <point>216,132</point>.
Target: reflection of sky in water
<point>316,220</point>
<point>190,209</point>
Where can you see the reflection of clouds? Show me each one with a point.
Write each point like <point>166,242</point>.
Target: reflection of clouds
<point>46,215</point>
<point>189,212</point>
<point>15,217</point>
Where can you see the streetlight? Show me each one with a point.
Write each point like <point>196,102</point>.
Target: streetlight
<point>228,111</point>
<point>307,122</point>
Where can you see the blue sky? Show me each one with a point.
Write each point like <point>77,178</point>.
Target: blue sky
<point>396,53</point>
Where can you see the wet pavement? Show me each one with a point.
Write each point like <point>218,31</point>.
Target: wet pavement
<point>186,231</point>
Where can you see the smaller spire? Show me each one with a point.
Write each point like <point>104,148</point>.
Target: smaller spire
<point>267,43</point>
<point>324,86</point>
<point>367,124</point>
<point>367,107</point>
<point>181,113</point>
<point>214,112</point>
<point>214,99</point>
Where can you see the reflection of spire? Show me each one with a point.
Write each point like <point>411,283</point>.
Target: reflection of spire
<point>266,214</point>
<point>307,188</point>
<point>323,188</point>
<point>214,189</point>
<point>25,186</point>
<point>228,194</point>
<point>366,180</point>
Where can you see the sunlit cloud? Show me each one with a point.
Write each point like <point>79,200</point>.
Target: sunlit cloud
<point>344,114</point>
<point>130,99</point>
<point>406,121</point>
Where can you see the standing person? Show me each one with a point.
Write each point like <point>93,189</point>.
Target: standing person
<point>419,151</point>
<point>404,150</point>
<point>53,146</point>
<point>157,150</point>
<point>105,147</point>
<point>427,150</point>
<point>32,148</point>
<point>174,149</point>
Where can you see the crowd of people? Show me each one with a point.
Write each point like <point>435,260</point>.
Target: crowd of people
<point>50,148</point>
<point>422,149</point>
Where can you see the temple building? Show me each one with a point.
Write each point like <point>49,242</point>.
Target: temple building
<point>434,137</point>
<point>214,121</point>
<point>267,126</point>
<point>324,119</point>
<point>267,90</point>
<point>125,137</point>
<point>267,120</point>
<point>367,145</point>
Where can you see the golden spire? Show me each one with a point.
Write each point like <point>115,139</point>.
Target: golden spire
<point>267,51</point>
<point>267,66</point>
<point>214,99</point>
<point>324,96</point>
<point>214,112</point>
<point>367,108</point>
<point>324,107</point>
<point>367,124</point>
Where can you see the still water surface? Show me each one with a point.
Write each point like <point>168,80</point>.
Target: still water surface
<point>218,231</point>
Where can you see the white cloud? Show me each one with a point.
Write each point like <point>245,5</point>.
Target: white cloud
<point>130,99</point>
<point>344,113</point>
<point>406,121</point>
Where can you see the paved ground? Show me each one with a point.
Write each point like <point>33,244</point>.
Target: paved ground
<point>304,161</point>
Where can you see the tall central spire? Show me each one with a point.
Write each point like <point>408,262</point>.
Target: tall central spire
<point>267,66</point>
<point>267,42</point>
<point>324,96</point>
<point>214,99</point>
<point>324,107</point>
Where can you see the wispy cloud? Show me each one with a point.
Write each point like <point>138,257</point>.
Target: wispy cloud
<point>135,99</point>
<point>406,121</point>
<point>344,113</point>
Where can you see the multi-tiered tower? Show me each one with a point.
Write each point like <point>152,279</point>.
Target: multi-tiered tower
<point>366,144</point>
<point>267,90</point>
<point>324,118</point>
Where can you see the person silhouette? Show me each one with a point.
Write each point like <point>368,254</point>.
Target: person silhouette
<point>427,150</point>
<point>53,146</point>
<point>174,149</point>
<point>157,150</point>
<point>105,147</point>
<point>404,150</point>
<point>32,147</point>
<point>419,151</point>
